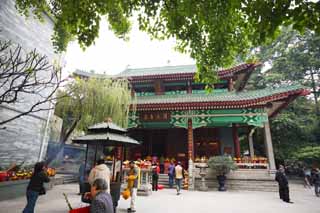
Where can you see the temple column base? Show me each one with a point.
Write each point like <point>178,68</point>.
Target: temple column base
<point>191,176</point>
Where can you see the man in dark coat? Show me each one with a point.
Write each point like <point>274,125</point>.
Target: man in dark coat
<point>316,182</point>
<point>282,180</point>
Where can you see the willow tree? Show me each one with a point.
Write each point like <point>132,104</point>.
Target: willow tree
<point>87,102</point>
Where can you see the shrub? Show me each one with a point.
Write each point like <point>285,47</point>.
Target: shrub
<point>222,164</point>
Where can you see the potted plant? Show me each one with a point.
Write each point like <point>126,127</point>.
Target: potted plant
<point>222,165</point>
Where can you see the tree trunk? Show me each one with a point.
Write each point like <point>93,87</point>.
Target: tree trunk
<point>65,134</point>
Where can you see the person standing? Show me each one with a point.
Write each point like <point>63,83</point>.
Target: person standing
<point>179,176</point>
<point>101,200</point>
<point>35,186</point>
<point>316,182</point>
<point>155,176</point>
<point>161,161</point>
<point>307,177</point>
<point>171,174</point>
<point>282,180</point>
<point>100,171</point>
<point>133,177</point>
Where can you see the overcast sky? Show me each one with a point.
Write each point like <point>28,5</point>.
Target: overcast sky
<point>112,55</point>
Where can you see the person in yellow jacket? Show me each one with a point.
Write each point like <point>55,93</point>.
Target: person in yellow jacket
<point>133,181</point>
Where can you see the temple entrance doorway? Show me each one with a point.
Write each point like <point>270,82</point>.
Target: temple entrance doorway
<point>158,143</point>
<point>171,144</point>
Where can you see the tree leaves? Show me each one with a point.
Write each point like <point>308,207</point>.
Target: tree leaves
<point>213,32</point>
<point>308,154</point>
<point>92,101</point>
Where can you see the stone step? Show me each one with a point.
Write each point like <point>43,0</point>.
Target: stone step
<point>69,179</point>
<point>250,174</point>
<point>247,185</point>
<point>164,180</point>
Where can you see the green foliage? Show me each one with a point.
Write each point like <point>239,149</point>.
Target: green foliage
<point>308,154</point>
<point>222,165</point>
<point>91,101</point>
<point>214,32</point>
<point>292,129</point>
<point>293,57</point>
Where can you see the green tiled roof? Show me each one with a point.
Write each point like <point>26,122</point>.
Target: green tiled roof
<point>158,70</point>
<point>167,72</point>
<point>217,97</point>
<point>90,74</point>
<point>180,70</point>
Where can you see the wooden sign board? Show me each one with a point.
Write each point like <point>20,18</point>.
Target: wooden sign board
<point>155,116</point>
<point>181,155</point>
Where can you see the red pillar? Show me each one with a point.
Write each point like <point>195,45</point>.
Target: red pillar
<point>236,141</point>
<point>190,140</point>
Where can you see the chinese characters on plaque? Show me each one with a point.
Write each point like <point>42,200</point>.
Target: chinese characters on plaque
<point>155,116</point>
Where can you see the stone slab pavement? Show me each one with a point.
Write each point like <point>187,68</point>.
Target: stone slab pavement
<point>166,201</point>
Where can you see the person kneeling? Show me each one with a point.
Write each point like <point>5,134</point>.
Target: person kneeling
<point>101,200</point>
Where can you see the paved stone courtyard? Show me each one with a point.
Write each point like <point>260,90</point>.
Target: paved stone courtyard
<point>167,201</point>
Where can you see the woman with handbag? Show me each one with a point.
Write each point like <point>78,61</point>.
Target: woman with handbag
<point>35,186</point>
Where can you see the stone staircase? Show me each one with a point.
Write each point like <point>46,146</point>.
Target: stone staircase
<point>243,180</point>
<point>164,180</point>
<point>241,185</point>
<point>65,179</point>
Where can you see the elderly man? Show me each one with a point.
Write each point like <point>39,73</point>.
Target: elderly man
<point>101,201</point>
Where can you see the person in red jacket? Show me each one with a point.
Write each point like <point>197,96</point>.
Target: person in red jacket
<point>155,176</point>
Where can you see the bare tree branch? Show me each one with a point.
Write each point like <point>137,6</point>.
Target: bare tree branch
<point>27,79</point>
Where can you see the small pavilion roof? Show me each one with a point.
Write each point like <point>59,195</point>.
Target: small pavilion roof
<point>226,100</point>
<point>107,133</point>
<point>107,138</point>
<point>106,126</point>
